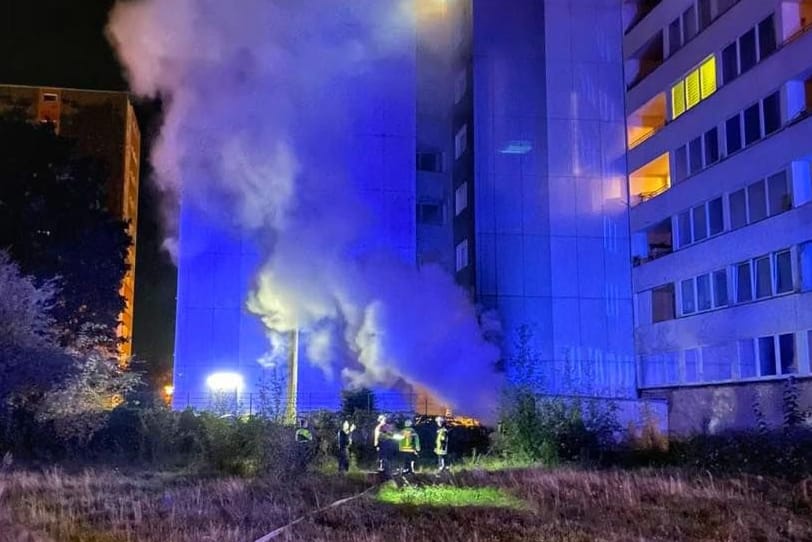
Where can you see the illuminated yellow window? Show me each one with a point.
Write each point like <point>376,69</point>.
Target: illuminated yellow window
<point>708,75</point>
<point>678,99</point>
<point>692,94</point>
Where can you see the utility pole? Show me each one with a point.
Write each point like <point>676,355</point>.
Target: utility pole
<point>293,376</point>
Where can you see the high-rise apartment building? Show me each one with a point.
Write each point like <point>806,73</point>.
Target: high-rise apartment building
<point>718,102</point>
<point>104,126</point>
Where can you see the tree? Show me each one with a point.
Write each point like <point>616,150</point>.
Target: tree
<point>31,363</point>
<point>54,222</point>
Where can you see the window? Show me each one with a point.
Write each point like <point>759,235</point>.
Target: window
<point>681,164</point>
<point>766,38</point>
<point>752,124</point>
<point>747,359</point>
<point>786,349</point>
<point>462,255</point>
<point>717,362</point>
<point>766,356</point>
<point>674,36</point>
<point>744,285</point>
<point>779,196</point>
<point>678,99</point>
<point>700,223</point>
<point>763,278</point>
<point>695,155</point>
<point>705,17</point>
<point>430,161</point>
<point>460,86</point>
<point>461,198</point>
<point>48,97</point>
<point>734,134</point>
<point>430,212</point>
<point>806,268</point>
<point>730,63</point>
<point>703,293</point>
<point>684,227</point>
<point>757,202</point>
<point>461,141</point>
<point>688,299</point>
<point>772,113</point>
<point>689,29</point>
<point>707,73</point>
<point>747,50</point>
<point>711,146</point>
<point>662,303</point>
<point>716,222</point>
<point>693,94</point>
<point>783,272</point>
<point>738,209</point>
<point>694,87</point>
<point>720,288</point>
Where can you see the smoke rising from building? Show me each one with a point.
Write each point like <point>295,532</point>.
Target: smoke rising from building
<point>257,110</point>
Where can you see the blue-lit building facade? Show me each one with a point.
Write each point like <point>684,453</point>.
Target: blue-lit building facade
<point>573,163</point>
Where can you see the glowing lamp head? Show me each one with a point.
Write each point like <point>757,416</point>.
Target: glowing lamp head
<point>169,389</point>
<point>220,382</point>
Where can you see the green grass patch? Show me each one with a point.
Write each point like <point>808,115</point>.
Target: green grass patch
<point>446,495</point>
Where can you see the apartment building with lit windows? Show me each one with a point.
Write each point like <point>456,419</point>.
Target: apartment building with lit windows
<point>719,132</point>
<point>104,126</point>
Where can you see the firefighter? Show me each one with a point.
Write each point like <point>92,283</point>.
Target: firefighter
<point>379,429</point>
<point>344,443</point>
<point>441,444</point>
<point>409,446</point>
<point>303,433</point>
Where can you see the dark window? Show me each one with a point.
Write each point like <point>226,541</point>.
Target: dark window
<point>703,293</point>
<point>689,23</point>
<point>730,63</point>
<point>734,134</point>
<point>430,213</point>
<point>747,50</point>
<point>738,209</point>
<point>752,124</point>
<point>695,153</point>
<point>684,224</point>
<point>681,164</point>
<point>744,288</point>
<point>778,191</point>
<point>688,301</point>
<point>716,222</point>
<point>766,37</point>
<point>772,113</point>
<point>720,288</point>
<point>674,37</point>
<point>711,146</point>
<point>705,18</point>
<point>662,303</point>
<point>786,345</point>
<point>700,223</point>
<point>757,202</point>
<point>430,161</point>
<point>783,272</point>
<point>764,287</point>
<point>766,355</point>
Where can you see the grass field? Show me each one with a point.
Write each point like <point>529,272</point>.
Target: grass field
<point>509,505</point>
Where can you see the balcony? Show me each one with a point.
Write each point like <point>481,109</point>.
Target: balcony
<point>646,121</point>
<point>650,180</point>
<point>635,11</point>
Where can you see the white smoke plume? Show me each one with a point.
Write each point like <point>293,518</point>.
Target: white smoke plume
<point>250,92</point>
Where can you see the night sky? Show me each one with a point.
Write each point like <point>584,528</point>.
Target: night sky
<point>61,43</point>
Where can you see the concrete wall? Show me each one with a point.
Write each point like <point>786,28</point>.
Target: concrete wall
<point>714,409</point>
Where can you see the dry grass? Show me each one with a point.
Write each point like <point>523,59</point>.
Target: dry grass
<point>562,505</point>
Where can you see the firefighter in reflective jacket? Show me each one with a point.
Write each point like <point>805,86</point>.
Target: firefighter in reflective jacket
<point>409,446</point>
<point>441,443</point>
<point>303,433</point>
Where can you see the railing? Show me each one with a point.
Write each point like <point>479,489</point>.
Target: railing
<point>647,134</point>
